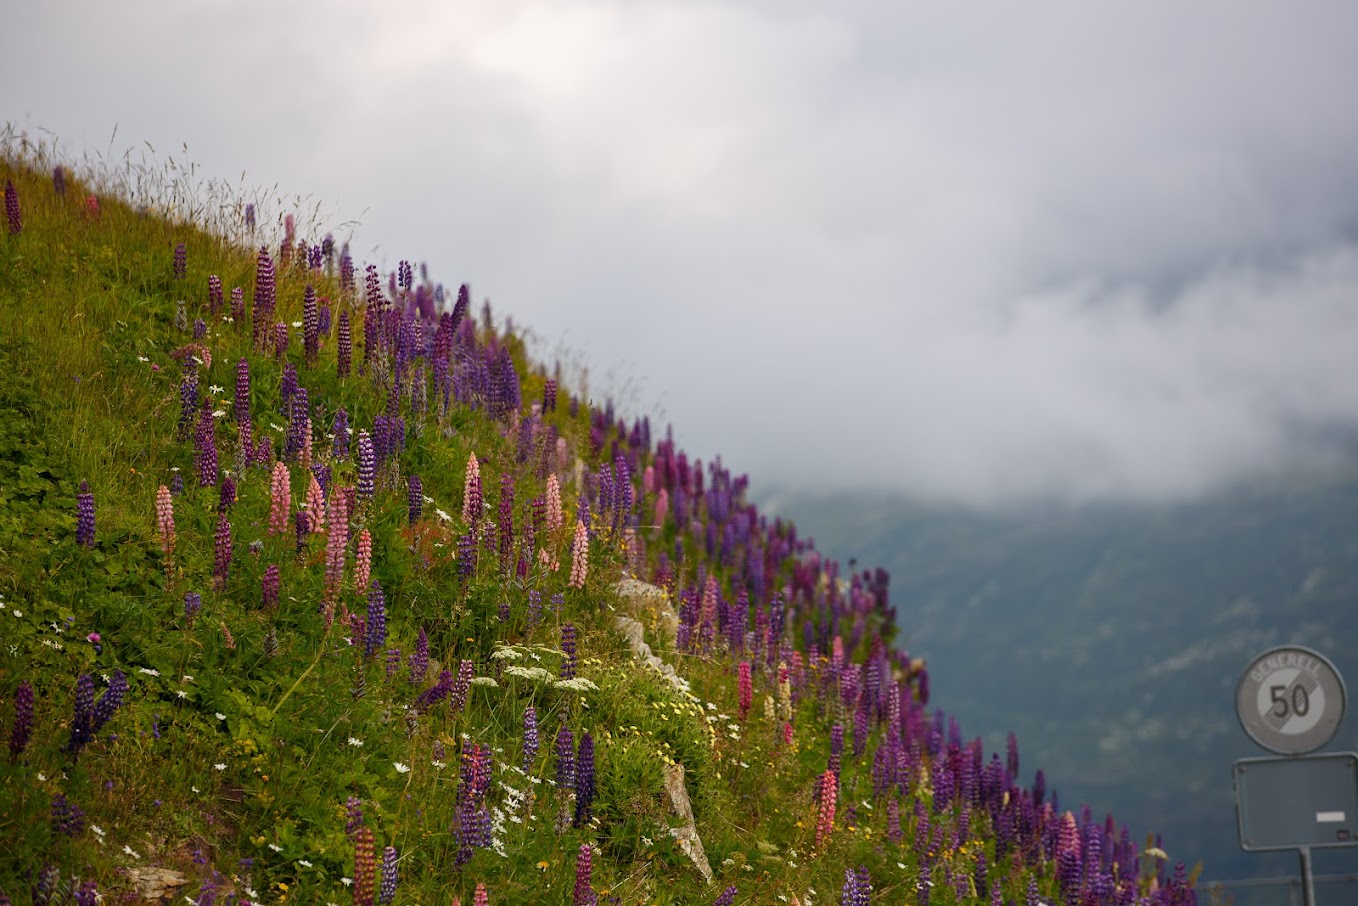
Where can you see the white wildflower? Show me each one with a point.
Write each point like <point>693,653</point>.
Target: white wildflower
<point>355,742</point>
<point>578,684</point>
<point>484,681</point>
<point>220,766</point>
<point>401,768</point>
<point>304,863</point>
<point>220,716</point>
<point>130,851</point>
<point>275,847</point>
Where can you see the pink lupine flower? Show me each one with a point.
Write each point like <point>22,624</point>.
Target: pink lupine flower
<point>471,492</point>
<point>315,505</point>
<point>648,480</point>
<point>827,791</point>
<point>662,506</point>
<point>306,445</point>
<point>579,556</point>
<point>165,520</point>
<point>281,491</point>
<point>555,520</point>
<point>337,524</point>
<point>480,897</point>
<point>363,560</point>
<point>745,689</point>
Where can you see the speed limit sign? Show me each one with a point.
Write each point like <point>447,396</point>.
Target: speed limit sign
<point>1290,700</point>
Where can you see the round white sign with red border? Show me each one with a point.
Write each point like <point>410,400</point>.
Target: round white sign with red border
<point>1290,700</point>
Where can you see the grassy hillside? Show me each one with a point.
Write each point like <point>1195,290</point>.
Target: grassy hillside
<point>314,591</point>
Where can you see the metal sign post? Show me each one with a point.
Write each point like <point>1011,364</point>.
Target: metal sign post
<point>1291,700</point>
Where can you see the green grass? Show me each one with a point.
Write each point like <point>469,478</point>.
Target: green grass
<point>231,764</point>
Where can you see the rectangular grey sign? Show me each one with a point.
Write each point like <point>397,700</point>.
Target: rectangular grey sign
<point>1306,800</point>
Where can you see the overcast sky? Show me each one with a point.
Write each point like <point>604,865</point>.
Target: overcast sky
<point>979,252</point>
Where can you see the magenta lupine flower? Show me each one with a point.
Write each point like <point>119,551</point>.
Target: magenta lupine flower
<point>419,661</point>
<point>565,759</point>
<point>745,689</point>
<point>15,222</point>
<point>221,564</point>
<point>727,897</point>
<point>22,730</point>
<point>387,890</point>
<point>583,894</point>
<point>226,493</point>
<point>506,524</point>
<point>311,325</point>
<point>269,584</point>
<point>568,659</point>
<point>181,261</point>
<point>205,447</point>
<point>84,516</point>
<point>530,738</point>
<point>414,498</point>
<point>345,351</point>
<point>353,809</point>
<point>367,465</point>
<point>585,788</point>
<point>479,896</point>
<point>281,339</point>
<point>376,634</point>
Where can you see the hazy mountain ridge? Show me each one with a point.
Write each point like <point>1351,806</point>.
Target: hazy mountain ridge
<point>1128,627</point>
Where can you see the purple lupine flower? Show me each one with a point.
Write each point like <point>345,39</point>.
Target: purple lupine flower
<point>340,449</point>
<point>315,257</point>
<point>262,314</point>
<point>84,516</point>
<point>193,602</point>
<point>419,661</point>
<point>59,179</point>
<point>414,498</point>
<point>530,738</point>
<point>457,696</point>
<point>549,396</point>
<point>281,338</point>
<point>301,522</point>
<point>860,732</point>
<point>583,893</point>
<point>237,304</point>
<point>81,732</point>
<point>311,325</point>
<point>67,817</point>
<point>181,261</point>
<point>387,890</point>
<point>466,555</point>
<point>436,692</point>
<point>405,275</point>
<point>534,607</point>
<point>585,788</point>
<point>87,894</point>
<point>250,216</point>
<point>506,523</point>
<point>23,719</point>
<point>836,748</point>
<point>565,759</point>
<point>221,563</point>
<point>324,318</point>
<point>269,585</point>
<point>188,401</point>
<point>377,620</point>
<point>568,660</point>
<point>226,493</point>
<point>16,223</point>
<point>199,328</point>
<point>214,294</point>
<point>393,661</point>
<point>346,269</point>
<point>205,447</point>
<point>176,484</point>
<point>558,601</point>
<point>727,897</point>
<point>353,809</point>
<point>345,351</point>
<point>367,465</point>
<point>299,418</point>
<point>109,702</point>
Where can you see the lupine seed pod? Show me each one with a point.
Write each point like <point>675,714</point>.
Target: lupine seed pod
<point>84,516</point>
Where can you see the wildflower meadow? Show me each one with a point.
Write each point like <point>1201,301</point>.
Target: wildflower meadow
<point>315,588</point>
